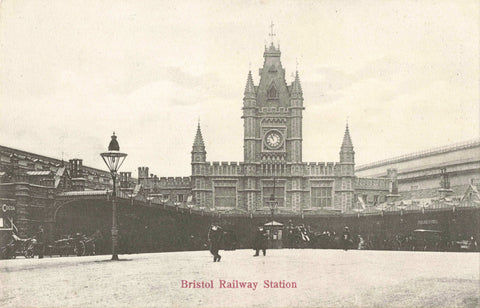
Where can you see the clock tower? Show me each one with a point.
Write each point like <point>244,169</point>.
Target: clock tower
<point>272,113</point>
<point>272,168</point>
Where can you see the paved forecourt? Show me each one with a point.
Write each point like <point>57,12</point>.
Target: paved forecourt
<point>283,278</point>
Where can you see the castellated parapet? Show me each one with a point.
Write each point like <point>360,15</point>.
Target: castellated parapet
<point>310,169</point>
<point>174,181</point>
<point>143,173</point>
<point>274,110</point>
<point>320,168</point>
<point>272,164</point>
<point>224,168</point>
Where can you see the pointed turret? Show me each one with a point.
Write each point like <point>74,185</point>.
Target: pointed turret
<point>198,142</point>
<point>347,141</point>
<point>249,87</point>
<point>249,114</point>
<point>199,155</point>
<point>347,155</point>
<point>296,87</point>
<point>198,150</point>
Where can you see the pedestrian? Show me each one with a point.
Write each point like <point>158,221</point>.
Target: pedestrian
<point>346,238</point>
<point>472,244</point>
<point>361,242</point>
<point>290,234</point>
<point>40,237</point>
<point>260,241</point>
<point>215,238</point>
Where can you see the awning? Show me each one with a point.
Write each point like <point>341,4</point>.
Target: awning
<point>83,193</point>
<point>274,223</point>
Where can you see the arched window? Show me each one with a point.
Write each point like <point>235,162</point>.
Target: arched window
<point>272,91</point>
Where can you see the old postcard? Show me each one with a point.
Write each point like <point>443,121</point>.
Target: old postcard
<point>239,153</point>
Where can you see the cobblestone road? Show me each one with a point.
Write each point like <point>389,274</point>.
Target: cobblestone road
<point>322,278</point>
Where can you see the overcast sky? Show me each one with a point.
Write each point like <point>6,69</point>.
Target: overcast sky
<point>404,73</point>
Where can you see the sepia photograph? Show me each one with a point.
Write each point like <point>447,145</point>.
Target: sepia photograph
<point>258,153</point>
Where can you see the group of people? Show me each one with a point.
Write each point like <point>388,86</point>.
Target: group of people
<point>216,235</point>
<point>297,236</point>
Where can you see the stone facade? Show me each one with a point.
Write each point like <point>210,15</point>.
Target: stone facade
<point>273,169</point>
<point>30,184</point>
<point>18,165</point>
<point>421,174</point>
<point>176,190</point>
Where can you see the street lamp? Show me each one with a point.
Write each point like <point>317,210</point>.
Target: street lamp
<point>114,159</point>
<point>273,203</point>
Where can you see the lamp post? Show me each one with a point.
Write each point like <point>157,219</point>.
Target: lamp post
<point>273,203</point>
<point>114,160</point>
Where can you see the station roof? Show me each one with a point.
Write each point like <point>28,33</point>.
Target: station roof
<point>83,193</point>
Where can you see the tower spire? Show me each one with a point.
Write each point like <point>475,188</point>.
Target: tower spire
<point>198,142</point>
<point>347,141</point>
<point>347,155</point>
<point>249,87</point>
<point>296,86</point>
<point>199,157</point>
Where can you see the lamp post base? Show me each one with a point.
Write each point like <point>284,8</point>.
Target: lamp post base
<point>114,257</point>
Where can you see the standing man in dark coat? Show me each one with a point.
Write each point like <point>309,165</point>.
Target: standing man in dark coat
<point>260,241</point>
<point>40,236</point>
<point>215,235</point>
<point>346,240</point>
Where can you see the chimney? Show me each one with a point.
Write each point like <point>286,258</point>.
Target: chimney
<point>80,168</point>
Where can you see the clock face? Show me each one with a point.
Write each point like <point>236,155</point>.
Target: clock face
<point>273,139</point>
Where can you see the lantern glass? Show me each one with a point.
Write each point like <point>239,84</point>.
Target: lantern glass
<point>113,160</point>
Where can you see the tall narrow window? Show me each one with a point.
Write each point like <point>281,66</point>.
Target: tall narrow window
<point>272,91</point>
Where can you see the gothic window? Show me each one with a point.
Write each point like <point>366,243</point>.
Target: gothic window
<point>272,91</point>
<point>225,196</point>
<point>321,196</point>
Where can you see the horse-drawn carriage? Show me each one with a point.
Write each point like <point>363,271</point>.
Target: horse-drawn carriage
<point>17,246</point>
<point>78,244</point>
